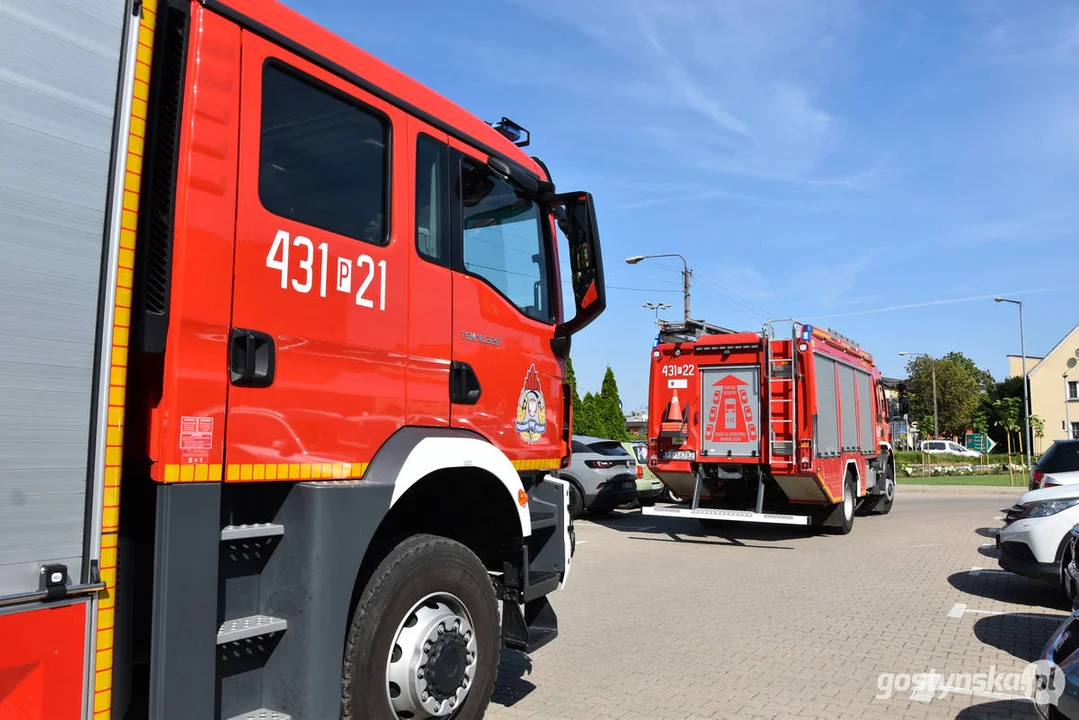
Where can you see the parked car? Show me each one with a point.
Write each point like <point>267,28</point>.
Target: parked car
<point>1034,539</point>
<point>947,447</point>
<point>649,487</point>
<point>601,476</point>
<point>1062,650</point>
<point>1059,465</point>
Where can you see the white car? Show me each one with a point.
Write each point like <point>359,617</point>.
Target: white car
<point>947,447</point>
<point>1034,539</point>
<point>1059,465</point>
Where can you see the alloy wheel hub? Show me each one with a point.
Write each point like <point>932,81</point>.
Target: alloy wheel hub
<point>432,661</point>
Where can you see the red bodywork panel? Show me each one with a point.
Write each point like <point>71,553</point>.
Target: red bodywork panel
<point>41,667</point>
<point>351,367</point>
<point>718,365</point>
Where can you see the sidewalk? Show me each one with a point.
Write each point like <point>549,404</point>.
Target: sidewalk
<point>1003,490</point>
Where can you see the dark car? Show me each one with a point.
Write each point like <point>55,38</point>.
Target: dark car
<point>1059,465</point>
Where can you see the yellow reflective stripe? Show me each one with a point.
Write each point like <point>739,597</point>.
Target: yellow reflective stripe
<point>247,472</point>
<point>541,464</point>
<point>114,436</point>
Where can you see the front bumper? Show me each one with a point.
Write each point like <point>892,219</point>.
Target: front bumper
<point>1016,556</point>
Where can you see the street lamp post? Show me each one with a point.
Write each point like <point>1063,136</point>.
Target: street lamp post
<point>933,367</point>
<point>657,307</point>
<point>686,273</point>
<point>1026,389</point>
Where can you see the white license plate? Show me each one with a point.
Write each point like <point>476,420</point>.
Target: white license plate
<point>679,455</point>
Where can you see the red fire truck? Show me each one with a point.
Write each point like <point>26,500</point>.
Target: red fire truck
<point>282,373</point>
<point>758,428</point>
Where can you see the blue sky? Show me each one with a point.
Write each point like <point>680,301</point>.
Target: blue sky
<point>826,159</point>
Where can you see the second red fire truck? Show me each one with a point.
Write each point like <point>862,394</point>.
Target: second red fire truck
<point>758,428</point>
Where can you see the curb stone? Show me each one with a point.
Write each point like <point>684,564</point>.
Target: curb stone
<point>1014,490</point>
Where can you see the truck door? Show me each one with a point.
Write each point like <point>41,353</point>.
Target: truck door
<point>319,319</point>
<point>506,383</point>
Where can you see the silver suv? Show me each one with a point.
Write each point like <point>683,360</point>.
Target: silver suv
<point>601,476</point>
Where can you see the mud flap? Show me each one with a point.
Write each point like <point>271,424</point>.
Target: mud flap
<point>530,630</point>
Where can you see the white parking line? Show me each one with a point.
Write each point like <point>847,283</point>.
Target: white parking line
<point>960,609</point>
<point>978,571</point>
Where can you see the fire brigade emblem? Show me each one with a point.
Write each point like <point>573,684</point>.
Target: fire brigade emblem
<point>531,409</point>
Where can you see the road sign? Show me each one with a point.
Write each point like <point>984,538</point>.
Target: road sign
<point>979,442</point>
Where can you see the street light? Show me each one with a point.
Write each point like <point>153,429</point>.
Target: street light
<point>933,365</point>
<point>1026,390</point>
<point>686,273</point>
<point>657,307</point>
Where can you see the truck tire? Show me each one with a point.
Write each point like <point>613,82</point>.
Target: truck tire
<point>838,519</point>
<point>430,603</point>
<point>883,505</point>
<point>576,499</point>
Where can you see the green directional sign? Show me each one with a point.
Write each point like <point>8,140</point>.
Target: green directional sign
<point>979,442</point>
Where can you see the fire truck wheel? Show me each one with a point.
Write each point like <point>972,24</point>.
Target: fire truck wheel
<point>884,504</point>
<point>424,640</point>
<point>576,501</point>
<point>838,519</point>
<point>670,496</point>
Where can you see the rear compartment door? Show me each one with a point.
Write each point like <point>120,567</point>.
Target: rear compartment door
<point>731,411</point>
<point>58,75</point>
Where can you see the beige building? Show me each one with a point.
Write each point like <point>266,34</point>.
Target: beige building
<point>1054,388</point>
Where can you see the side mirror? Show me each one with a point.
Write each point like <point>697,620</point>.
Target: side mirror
<point>575,214</point>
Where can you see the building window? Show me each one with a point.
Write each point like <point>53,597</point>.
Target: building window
<point>1073,389</point>
<point>323,157</point>
<point>1075,430</point>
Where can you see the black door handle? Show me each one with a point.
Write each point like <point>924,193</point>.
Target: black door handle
<point>251,358</point>
<point>464,385</point>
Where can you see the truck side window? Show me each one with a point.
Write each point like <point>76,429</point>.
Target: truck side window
<point>432,238</point>
<point>504,242</point>
<point>323,158</point>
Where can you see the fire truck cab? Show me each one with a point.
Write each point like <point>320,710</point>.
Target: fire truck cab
<point>758,428</point>
<point>282,373</point>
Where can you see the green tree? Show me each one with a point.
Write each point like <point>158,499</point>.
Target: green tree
<point>979,421</point>
<point>1008,411</point>
<point>586,421</point>
<point>1037,428</point>
<point>612,421</point>
<point>959,389</point>
<point>571,378</point>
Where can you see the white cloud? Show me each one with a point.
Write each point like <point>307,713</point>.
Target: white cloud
<point>738,88</point>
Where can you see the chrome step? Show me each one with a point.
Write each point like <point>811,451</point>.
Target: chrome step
<point>249,627</point>
<point>782,447</point>
<point>733,515</point>
<point>262,715</point>
<point>255,530</point>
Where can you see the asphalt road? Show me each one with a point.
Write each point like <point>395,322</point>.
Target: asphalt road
<point>664,619</point>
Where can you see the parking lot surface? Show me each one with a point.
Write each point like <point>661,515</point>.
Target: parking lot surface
<point>665,619</point>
